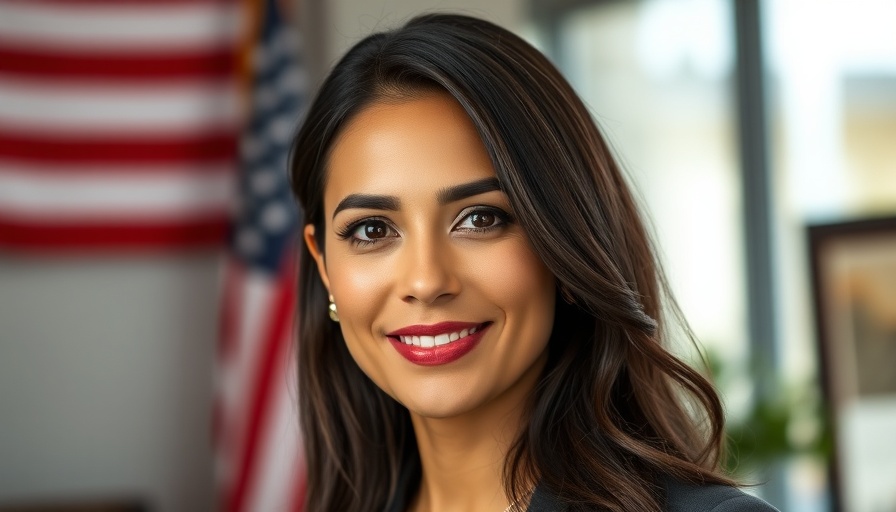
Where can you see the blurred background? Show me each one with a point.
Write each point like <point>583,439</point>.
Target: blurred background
<point>145,230</point>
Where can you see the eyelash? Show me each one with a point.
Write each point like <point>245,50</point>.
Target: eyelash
<point>347,233</point>
<point>503,218</point>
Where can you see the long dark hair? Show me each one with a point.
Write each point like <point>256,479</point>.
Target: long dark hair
<point>614,413</point>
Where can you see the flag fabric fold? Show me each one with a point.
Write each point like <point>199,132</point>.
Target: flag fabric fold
<point>259,462</point>
<point>119,123</point>
<point>137,125</point>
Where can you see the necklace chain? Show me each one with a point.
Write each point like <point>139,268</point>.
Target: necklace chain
<point>523,498</point>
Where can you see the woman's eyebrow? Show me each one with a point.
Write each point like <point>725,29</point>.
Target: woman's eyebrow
<point>392,203</point>
<point>465,190</point>
<point>368,201</point>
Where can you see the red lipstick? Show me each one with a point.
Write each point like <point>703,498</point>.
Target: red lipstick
<point>438,354</point>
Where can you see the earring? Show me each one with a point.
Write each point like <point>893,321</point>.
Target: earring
<point>334,315</point>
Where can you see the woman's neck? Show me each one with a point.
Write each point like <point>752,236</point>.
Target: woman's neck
<point>462,457</point>
<point>461,467</point>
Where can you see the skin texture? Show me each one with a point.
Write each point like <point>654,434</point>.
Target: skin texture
<point>435,261</point>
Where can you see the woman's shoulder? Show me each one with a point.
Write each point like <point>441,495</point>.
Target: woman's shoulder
<point>680,497</point>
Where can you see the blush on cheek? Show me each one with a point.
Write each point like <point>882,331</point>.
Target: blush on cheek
<point>357,287</point>
<point>360,291</point>
<point>515,273</point>
<point>516,280</point>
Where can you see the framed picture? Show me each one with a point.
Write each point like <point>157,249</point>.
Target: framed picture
<point>854,288</point>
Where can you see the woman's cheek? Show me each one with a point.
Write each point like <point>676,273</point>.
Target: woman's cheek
<point>353,276</point>
<point>509,269</point>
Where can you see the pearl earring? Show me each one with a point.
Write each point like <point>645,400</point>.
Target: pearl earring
<point>334,315</point>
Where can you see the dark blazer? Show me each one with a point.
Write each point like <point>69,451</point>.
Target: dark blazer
<point>679,498</point>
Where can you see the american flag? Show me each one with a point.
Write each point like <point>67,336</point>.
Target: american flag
<point>120,128</point>
<point>259,455</point>
<point>118,123</point>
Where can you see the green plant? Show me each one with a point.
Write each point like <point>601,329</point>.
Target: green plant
<point>787,421</point>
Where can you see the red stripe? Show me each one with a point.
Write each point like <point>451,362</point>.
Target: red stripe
<point>118,149</point>
<point>210,232</point>
<point>272,343</point>
<point>115,67</point>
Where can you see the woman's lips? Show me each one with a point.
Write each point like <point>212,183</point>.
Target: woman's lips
<point>437,344</point>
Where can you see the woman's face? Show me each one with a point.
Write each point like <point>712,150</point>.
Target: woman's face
<point>441,300</point>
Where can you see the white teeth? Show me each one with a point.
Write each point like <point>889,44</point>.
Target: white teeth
<point>438,340</point>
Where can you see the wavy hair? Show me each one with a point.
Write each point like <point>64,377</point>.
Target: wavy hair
<point>614,412</point>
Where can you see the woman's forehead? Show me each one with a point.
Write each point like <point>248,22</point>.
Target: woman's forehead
<point>416,144</point>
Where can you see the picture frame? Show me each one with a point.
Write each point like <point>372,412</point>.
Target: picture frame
<point>853,265</point>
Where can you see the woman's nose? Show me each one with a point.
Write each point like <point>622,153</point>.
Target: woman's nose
<point>428,271</point>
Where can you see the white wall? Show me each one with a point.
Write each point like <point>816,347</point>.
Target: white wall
<point>106,364</point>
<point>106,378</point>
<point>349,20</point>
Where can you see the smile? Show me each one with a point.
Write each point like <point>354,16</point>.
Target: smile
<point>438,340</point>
<point>430,345</point>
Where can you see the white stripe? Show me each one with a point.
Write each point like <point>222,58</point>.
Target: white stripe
<point>279,456</point>
<point>237,373</point>
<point>114,28</point>
<point>63,198</point>
<point>82,108</point>
<point>256,299</point>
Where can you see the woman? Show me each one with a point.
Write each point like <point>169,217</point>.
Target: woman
<point>481,317</point>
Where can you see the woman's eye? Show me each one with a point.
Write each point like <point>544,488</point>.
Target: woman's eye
<point>367,232</point>
<point>481,220</point>
<point>378,230</point>
<point>371,231</point>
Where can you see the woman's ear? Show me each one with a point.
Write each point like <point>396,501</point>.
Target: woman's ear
<point>318,256</point>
